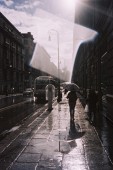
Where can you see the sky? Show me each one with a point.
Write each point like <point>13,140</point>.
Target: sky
<point>44,18</point>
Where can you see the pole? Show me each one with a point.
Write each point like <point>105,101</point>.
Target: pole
<point>59,97</point>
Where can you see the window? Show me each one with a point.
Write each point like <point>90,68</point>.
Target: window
<point>7,41</point>
<point>1,39</point>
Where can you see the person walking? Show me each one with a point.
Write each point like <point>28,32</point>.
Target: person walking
<point>92,101</point>
<point>50,95</point>
<point>72,97</point>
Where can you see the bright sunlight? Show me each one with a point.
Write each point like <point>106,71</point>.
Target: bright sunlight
<point>69,4</point>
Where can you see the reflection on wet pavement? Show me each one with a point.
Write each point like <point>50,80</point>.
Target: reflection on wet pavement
<point>60,144</point>
<point>56,138</point>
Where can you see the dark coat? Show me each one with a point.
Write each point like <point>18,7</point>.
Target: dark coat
<point>92,100</point>
<point>72,97</point>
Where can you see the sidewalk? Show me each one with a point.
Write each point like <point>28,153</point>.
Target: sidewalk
<point>56,145</point>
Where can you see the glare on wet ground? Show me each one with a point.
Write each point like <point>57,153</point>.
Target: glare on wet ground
<point>59,144</point>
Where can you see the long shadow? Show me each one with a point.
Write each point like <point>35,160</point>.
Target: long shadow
<point>74,133</point>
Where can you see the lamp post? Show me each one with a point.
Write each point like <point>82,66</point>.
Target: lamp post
<point>57,33</point>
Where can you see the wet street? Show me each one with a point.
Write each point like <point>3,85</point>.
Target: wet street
<point>14,110</point>
<point>48,140</point>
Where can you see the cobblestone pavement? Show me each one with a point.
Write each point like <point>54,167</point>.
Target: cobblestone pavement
<point>58,144</point>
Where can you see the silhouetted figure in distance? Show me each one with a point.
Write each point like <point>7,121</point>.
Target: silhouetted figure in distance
<point>72,97</point>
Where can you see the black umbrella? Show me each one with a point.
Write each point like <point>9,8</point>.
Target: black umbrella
<point>70,86</point>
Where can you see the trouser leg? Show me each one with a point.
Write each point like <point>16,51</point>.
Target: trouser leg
<point>71,113</point>
<point>92,115</point>
<point>49,104</point>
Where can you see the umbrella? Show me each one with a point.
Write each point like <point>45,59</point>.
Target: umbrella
<point>70,86</point>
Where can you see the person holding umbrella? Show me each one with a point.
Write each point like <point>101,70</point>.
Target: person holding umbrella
<point>72,98</point>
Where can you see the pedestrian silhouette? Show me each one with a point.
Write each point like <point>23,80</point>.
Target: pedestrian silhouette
<point>92,100</point>
<point>59,98</point>
<point>50,95</point>
<point>72,97</point>
<point>65,91</point>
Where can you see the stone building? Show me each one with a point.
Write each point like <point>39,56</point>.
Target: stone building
<point>11,57</point>
<point>29,46</point>
<point>93,67</point>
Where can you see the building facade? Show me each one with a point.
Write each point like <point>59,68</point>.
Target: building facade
<point>93,67</point>
<point>16,53</point>
<point>29,46</point>
<point>11,57</point>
